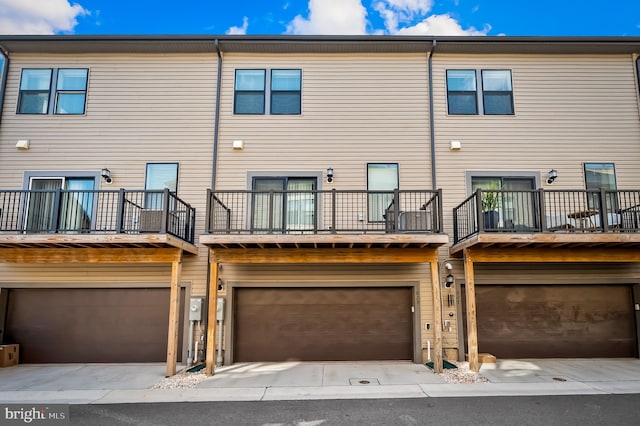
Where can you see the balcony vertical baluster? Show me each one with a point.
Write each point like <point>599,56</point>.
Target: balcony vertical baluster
<point>120,211</point>
<point>333,210</point>
<point>165,211</point>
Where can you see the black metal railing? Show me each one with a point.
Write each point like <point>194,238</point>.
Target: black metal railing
<point>64,211</point>
<point>547,211</point>
<point>332,211</point>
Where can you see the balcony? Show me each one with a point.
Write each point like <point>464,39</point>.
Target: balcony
<point>549,218</point>
<point>95,218</point>
<point>324,219</point>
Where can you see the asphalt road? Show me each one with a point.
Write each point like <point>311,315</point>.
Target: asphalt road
<point>582,410</point>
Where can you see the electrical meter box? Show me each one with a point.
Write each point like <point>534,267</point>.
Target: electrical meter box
<point>195,309</point>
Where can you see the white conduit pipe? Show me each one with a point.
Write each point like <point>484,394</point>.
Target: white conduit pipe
<point>190,351</point>
<point>219,359</point>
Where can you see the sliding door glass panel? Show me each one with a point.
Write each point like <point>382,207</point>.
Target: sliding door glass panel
<point>301,206</point>
<point>40,210</point>
<point>76,207</point>
<point>268,204</point>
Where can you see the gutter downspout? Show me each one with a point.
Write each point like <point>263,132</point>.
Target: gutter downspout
<point>432,127</point>
<point>638,78</point>
<point>216,124</point>
<point>214,171</point>
<point>3,75</point>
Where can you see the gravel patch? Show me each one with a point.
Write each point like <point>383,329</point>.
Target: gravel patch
<point>462,374</point>
<point>181,380</point>
<point>184,379</point>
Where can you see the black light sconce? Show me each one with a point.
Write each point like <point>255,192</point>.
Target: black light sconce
<point>106,175</point>
<point>220,284</point>
<point>330,174</point>
<point>449,281</point>
<point>553,174</point>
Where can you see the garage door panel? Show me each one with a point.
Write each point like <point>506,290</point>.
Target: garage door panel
<point>322,324</point>
<point>89,325</point>
<point>555,321</point>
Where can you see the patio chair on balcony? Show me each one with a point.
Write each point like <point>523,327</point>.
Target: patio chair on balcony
<point>559,223</point>
<point>614,220</point>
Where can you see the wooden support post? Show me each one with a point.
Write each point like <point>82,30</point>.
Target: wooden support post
<point>174,320</point>
<point>437,316</point>
<point>211,317</point>
<point>472,328</point>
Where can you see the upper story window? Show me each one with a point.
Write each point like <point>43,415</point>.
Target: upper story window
<point>158,177</point>
<point>66,86</point>
<point>283,88</point>
<point>463,94</point>
<point>497,93</point>
<point>381,177</point>
<point>600,176</point>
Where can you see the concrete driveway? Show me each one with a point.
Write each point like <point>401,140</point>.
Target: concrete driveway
<point>117,383</point>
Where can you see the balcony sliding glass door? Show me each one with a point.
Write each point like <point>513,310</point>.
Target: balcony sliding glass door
<point>71,213</point>
<point>514,207</point>
<point>283,204</point>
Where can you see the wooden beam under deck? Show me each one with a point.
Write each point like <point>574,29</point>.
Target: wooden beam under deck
<point>89,255</point>
<point>563,255</point>
<point>416,240</point>
<point>88,241</point>
<point>373,255</point>
<point>547,240</point>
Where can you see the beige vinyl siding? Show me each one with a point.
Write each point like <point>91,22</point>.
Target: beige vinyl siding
<point>355,109</point>
<point>140,108</point>
<point>289,275</point>
<point>569,109</point>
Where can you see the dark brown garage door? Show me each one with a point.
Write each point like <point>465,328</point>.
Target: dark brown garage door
<point>541,321</point>
<point>89,325</point>
<point>322,324</point>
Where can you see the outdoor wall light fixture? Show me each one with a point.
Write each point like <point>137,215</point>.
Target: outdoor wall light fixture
<point>106,175</point>
<point>220,284</point>
<point>330,174</point>
<point>449,281</point>
<point>23,145</point>
<point>553,174</point>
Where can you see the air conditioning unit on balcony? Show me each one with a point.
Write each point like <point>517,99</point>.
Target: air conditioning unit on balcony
<point>150,220</point>
<point>418,220</point>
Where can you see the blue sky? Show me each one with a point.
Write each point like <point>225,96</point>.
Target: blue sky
<point>405,17</point>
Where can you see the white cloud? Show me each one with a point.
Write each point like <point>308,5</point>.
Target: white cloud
<point>442,25</point>
<point>402,17</point>
<point>397,12</point>
<point>340,17</point>
<point>39,16</point>
<point>240,30</point>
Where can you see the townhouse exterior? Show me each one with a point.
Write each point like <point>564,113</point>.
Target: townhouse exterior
<point>348,198</point>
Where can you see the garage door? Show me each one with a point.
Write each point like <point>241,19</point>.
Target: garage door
<point>322,324</point>
<point>89,325</point>
<point>540,321</point>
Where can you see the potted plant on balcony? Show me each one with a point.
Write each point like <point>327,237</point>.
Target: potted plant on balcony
<point>490,203</point>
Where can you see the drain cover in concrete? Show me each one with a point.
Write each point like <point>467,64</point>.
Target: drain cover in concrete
<point>364,382</point>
